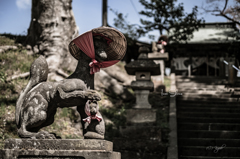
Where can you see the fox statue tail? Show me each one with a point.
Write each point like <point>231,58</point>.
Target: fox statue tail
<point>38,74</point>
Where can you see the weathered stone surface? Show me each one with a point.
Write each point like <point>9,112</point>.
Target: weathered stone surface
<point>59,154</point>
<point>37,104</point>
<point>56,149</point>
<point>143,76</point>
<point>142,99</point>
<point>158,56</point>
<point>142,85</point>
<point>59,144</point>
<point>7,47</point>
<point>141,115</point>
<point>142,66</point>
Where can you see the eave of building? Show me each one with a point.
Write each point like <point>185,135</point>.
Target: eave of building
<point>215,33</point>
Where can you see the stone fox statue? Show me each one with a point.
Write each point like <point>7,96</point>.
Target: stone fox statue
<point>38,102</point>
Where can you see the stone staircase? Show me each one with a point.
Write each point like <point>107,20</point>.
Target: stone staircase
<point>208,119</point>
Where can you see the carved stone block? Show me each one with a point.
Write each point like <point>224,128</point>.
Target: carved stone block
<point>58,149</point>
<point>139,116</point>
<point>143,76</point>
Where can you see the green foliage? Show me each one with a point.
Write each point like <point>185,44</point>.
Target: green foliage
<point>117,116</point>
<point>162,15</point>
<point>111,132</point>
<point>6,41</point>
<point>166,16</point>
<point>15,60</point>
<point>167,83</point>
<point>3,76</point>
<point>10,39</point>
<point>129,30</point>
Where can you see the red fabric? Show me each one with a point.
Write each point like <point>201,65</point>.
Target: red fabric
<point>85,43</point>
<point>90,117</point>
<point>162,42</point>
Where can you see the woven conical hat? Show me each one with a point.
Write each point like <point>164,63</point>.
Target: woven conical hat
<point>115,50</point>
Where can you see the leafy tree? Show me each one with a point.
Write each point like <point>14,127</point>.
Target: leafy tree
<point>165,15</point>
<point>129,30</point>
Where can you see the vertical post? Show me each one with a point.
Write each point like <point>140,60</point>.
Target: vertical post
<point>207,65</point>
<point>222,66</point>
<point>104,12</point>
<point>215,69</point>
<point>189,66</point>
<point>189,70</point>
<point>232,73</point>
<point>162,68</point>
<point>173,145</point>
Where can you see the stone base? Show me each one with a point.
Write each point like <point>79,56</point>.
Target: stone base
<point>138,116</point>
<point>141,132</point>
<point>58,149</point>
<point>142,99</point>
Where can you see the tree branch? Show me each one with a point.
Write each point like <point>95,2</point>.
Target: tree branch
<point>228,18</point>
<point>22,75</point>
<point>225,6</point>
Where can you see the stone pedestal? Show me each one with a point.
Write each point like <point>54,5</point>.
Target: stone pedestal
<point>58,149</point>
<point>142,99</point>
<point>143,68</point>
<point>159,58</point>
<point>139,116</point>
<point>141,138</point>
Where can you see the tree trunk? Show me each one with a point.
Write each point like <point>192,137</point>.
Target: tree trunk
<point>51,29</point>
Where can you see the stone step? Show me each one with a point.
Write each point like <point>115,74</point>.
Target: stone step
<point>202,94</point>
<point>209,134</point>
<point>207,90</point>
<point>209,126</point>
<point>63,144</point>
<point>200,86</point>
<point>207,99</point>
<point>208,115</point>
<point>56,148</point>
<point>58,154</point>
<point>208,120</point>
<point>202,103</point>
<point>207,109</point>
<point>210,83</point>
<point>204,91</point>
<point>142,155</point>
<point>206,157</point>
<point>201,78</point>
<point>208,142</point>
<point>209,151</point>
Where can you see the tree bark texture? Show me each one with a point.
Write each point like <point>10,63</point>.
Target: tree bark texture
<point>51,29</point>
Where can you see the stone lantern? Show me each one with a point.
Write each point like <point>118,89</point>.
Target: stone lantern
<point>143,68</point>
<point>141,131</point>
